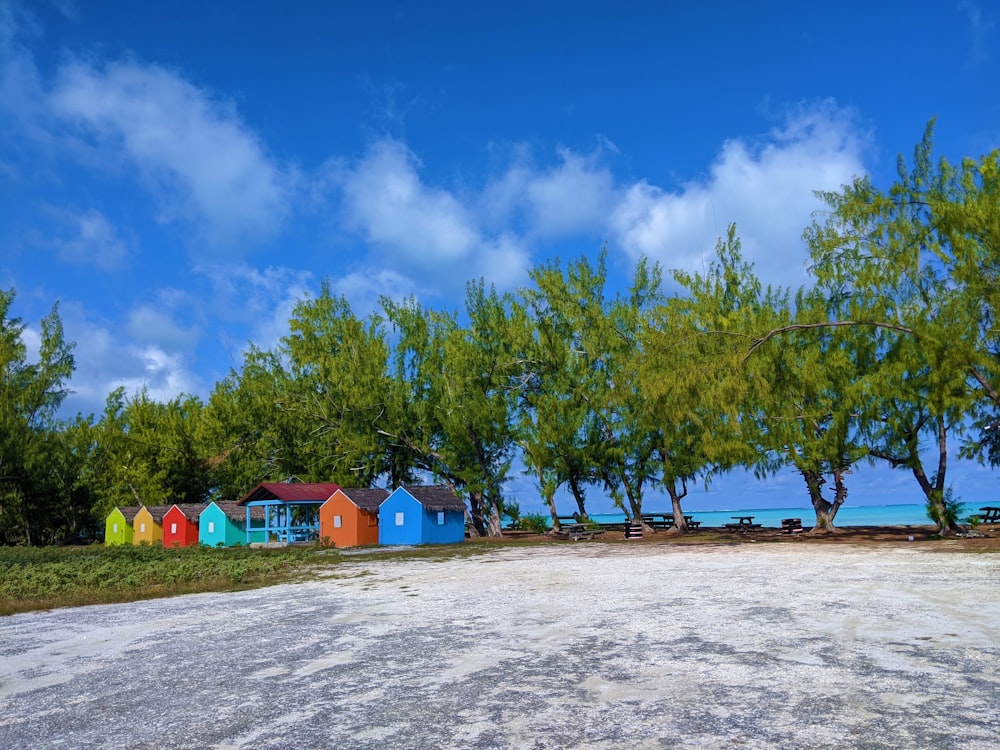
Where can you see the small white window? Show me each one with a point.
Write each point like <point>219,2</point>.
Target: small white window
<point>142,527</point>
<point>211,527</point>
<point>399,519</point>
<point>440,518</point>
<point>173,528</point>
<point>338,521</point>
<point>114,528</point>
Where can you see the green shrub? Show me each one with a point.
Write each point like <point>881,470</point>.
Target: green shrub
<point>535,522</point>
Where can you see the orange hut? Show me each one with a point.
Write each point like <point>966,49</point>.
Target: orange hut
<point>180,525</point>
<point>350,517</point>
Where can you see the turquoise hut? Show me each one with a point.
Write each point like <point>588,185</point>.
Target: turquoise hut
<point>224,524</point>
<point>421,515</point>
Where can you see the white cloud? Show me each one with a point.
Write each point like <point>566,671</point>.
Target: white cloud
<point>106,359</point>
<point>93,240</point>
<point>427,231</point>
<point>980,29</point>
<point>259,301</point>
<point>156,327</point>
<point>21,96</point>
<point>203,163</point>
<point>568,199</point>
<point>386,201</point>
<point>766,187</point>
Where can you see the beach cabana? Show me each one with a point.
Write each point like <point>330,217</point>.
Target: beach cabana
<point>421,515</point>
<point>291,509</point>
<point>180,525</point>
<point>223,524</point>
<point>147,525</point>
<point>118,526</point>
<point>350,517</point>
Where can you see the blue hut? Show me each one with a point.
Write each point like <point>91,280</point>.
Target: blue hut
<point>421,515</point>
<point>223,524</point>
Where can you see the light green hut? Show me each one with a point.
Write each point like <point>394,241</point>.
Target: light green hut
<point>118,526</point>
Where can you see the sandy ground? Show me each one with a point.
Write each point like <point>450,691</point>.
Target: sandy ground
<point>583,645</point>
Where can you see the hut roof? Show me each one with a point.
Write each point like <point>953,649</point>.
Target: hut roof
<point>157,511</point>
<point>290,492</point>
<point>238,513</point>
<point>128,511</point>
<point>190,510</point>
<point>437,498</point>
<point>366,499</point>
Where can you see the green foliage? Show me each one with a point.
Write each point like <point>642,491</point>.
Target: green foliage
<point>534,522</point>
<point>56,576</point>
<point>946,511</point>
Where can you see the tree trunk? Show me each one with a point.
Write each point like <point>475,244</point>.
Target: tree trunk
<point>476,506</point>
<point>825,511</point>
<point>577,490</point>
<point>494,527</point>
<point>680,523</point>
<point>471,525</point>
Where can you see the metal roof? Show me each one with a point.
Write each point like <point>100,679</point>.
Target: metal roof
<point>290,492</point>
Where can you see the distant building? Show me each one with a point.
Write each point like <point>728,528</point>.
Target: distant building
<point>180,525</point>
<point>118,526</point>
<point>223,524</point>
<point>350,517</point>
<point>291,509</point>
<point>422,515</point>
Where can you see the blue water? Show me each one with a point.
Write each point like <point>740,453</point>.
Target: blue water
<point>914,514</point>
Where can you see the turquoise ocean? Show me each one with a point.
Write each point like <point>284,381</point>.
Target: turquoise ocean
<point>914,514</point>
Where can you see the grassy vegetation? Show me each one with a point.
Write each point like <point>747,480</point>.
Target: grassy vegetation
<point>47,577</point>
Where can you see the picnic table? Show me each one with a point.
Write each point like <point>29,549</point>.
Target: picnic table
<point>743,524</point>
<point>578,531</point>
<point>658,520</point>
<point>666,520</point>
<point>991,514</point>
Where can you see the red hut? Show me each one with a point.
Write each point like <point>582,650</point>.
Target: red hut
<point>180,525</point>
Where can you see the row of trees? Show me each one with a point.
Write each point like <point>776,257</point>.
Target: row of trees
<point>892,348</point>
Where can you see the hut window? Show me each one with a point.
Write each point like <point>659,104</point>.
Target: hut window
<point>338,521</point>
<point>142,527</point>
<point>173,528</point>
<point>211,527</point>
<point>399,519</point>
<point>440,518</point>
<point>114,528</point>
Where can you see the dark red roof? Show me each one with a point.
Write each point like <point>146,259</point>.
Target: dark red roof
<point>290,492</point>
<point>366,499</point>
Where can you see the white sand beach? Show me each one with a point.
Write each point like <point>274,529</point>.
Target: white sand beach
<point>586,645</point>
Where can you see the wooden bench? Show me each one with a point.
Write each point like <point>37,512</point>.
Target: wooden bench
<point>791,526</point>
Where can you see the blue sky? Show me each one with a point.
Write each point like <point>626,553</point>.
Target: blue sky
<point>176,174</point>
